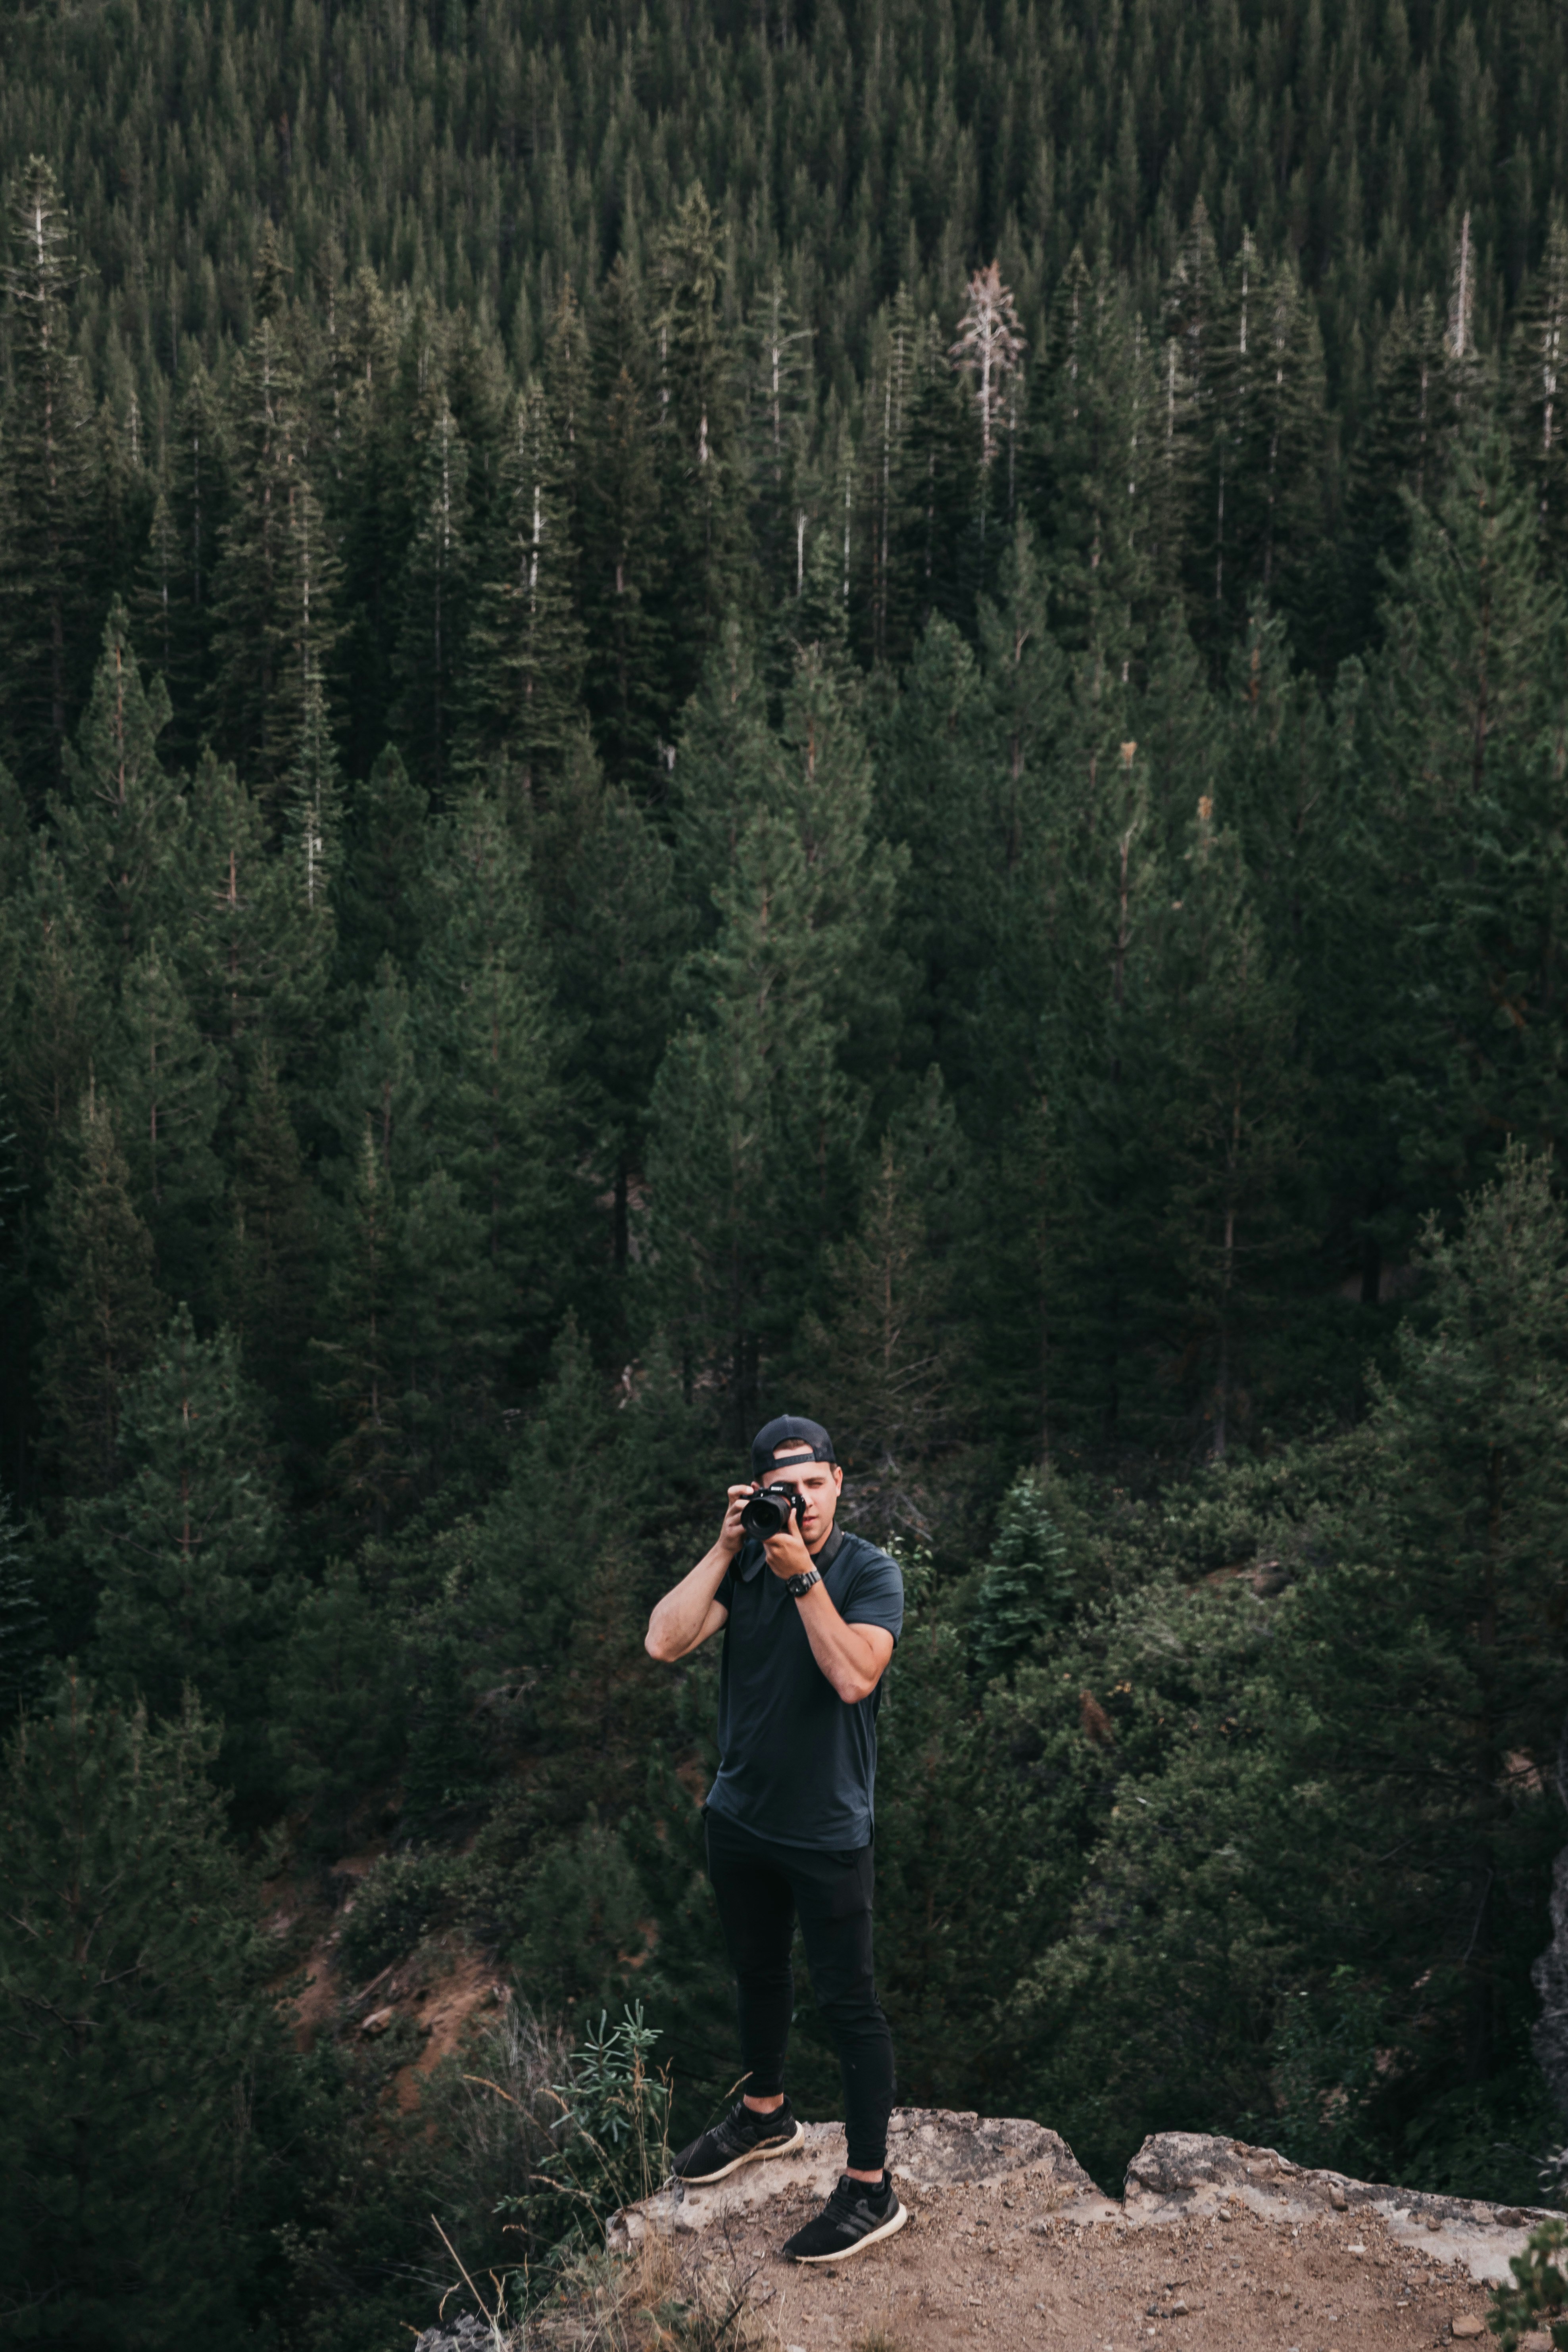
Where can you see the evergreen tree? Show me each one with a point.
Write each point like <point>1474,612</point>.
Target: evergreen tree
<point>378,890</point>
<point>781,403</point>
<point>173,599</point>
<point>700,475</point>
<point>613,925</point>
<point>1465,708</point>
<point>880,1365</point>
<point>528,647</point>
<point>1536,387</point>
<point>484,1017</point>
<point>101,1324</point>
<point>165,1081</point>
<point>122,822</point>
<point>274,591</point>
<point>624,555</point>
<point>369,1460</point>
<point>1026,1586</point>
<point>23,1629</point>
<point>135,2027</point>
<point>1458,1452</point>
<point>60,1009</point>
<point>185,1551</point>
<point>269,1280</point>
<point>438,587</point>
<point>338,1705</point>
<point>1233,1101</point>
<point>43,545</point>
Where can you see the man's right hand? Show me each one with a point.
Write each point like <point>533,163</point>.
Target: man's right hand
<point>733,1535</point>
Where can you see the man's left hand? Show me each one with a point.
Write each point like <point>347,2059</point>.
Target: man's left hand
<point>786,1554</point>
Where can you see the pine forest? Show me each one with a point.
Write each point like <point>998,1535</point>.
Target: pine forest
<point>856,707</point>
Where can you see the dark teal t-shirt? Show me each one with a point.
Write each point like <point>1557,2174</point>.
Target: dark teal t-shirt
<point>797,1763</point>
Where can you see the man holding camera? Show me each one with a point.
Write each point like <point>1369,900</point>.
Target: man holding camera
<point>809,1615</point>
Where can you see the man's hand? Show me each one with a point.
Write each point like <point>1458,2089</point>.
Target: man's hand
<point>786,1553</point>
<point>692,1611</point>
<point>731,1534</point>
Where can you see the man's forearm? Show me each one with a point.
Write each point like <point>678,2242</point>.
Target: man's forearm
<point>677,1622</point>
<point>850,1661</point>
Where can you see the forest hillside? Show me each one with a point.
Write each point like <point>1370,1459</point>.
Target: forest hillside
<point>712,709</point>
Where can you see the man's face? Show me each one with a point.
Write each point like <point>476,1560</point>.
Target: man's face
<point>818,1483</point>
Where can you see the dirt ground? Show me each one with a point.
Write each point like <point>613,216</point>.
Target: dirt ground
<point>992,2265</point>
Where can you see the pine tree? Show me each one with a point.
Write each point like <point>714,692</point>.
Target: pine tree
<point>121,823</point>
<point>623,559</point>
<point>23,1629</point>
<point>753,1118</point>
<point>1452,1571</point>
<point>438,586</point>
<point>369,1461</point>
<point>528,649</point>
<point>165,1082</point>
<point>270,1284</point>
<point>484,1016</point>
<point>185,1551</point>
<point>1537,384</point>
<point>989,351</point>
<point>43,584</point>
<point>275,589</point>
<point>1465,710</point>
<point>613,926</point>
<point>1234,1100</point>
<point>780,402</point>
<point>338,1705</point>
<point>60,1007</point>
<point>384,851</point>
<point>258,943</point>
<point>173,599</point>
<point>700,474</point>
<point>135,2025</point>
<point>881,1363</point>
<point>100,1323</point>
<point>1400,453</point>
<point>1026,1586</point>
<point>1096,458</point>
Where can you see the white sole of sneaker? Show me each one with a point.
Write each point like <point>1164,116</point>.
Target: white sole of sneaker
<point>753,2156</point>
<point>894,2222</point>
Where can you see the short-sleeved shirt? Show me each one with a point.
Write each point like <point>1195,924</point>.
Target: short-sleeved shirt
<point>797,1763</point>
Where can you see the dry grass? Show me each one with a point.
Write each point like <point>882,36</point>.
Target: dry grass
<point>662,2297</point>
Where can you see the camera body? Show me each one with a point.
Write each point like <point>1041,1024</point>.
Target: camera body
<point>770,1511</point>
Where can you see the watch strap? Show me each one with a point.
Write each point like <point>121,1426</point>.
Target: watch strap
<point>798,1586</point>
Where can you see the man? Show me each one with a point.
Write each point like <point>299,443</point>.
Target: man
<point>809,1620</point>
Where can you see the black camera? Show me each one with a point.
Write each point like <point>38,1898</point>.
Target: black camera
<point>770,1512</point>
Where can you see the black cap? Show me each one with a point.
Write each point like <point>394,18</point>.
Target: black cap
<point>788,1430</point>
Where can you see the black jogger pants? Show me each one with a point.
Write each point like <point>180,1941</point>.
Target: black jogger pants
<point>760,1888</point>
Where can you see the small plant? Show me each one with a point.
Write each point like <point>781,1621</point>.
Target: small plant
<point>1538,2295</point>
<point>611,2143</point>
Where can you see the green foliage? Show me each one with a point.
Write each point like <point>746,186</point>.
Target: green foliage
<point>1538,2293</point>
<point>390,1910</point>
<point>135,2029</point>
<point>611,2145</point>
<point>185,1551</point>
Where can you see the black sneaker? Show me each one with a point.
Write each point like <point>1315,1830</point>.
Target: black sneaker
<point>743,2138</point>
<point>854,2217</point>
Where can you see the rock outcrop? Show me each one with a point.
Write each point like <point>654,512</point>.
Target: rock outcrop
<point>1176,2176</point>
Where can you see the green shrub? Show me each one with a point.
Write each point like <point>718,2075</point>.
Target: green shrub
<point>396,1902</point>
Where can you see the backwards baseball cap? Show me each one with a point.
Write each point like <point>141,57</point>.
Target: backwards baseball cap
<point>789,1431</point>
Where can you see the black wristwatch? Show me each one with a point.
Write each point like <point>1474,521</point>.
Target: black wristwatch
<point>797,1587</point>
